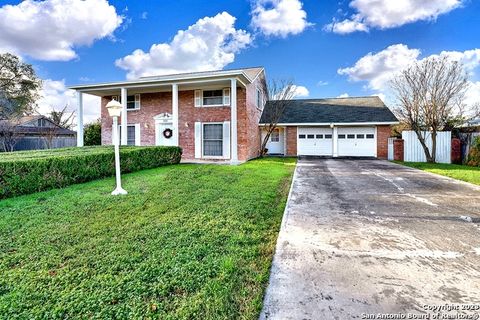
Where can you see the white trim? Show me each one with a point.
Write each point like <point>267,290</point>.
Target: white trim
<point>124,115</point>
<point>198,140</point>
<point>376,138</point>
<point>198,98</point>
<point>138,140</point>
<point>233,121</point>
<point>226,96</point>
<point>166,80</point>
<point>175,114</point>
<point>319,124</point>
<point>226,140</point>
<point>79,119</point>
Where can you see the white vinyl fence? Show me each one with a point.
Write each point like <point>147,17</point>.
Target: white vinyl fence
<point>413,150</point>
<point>390,148</point>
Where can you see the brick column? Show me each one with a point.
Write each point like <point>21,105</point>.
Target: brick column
<point>398,149</point>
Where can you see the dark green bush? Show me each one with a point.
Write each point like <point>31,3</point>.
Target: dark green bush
<point>473,158</point>
<point>93,134</point>
<point>33,171</point>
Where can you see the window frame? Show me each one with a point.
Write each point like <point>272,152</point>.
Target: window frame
<point>203,140</point>
<point>137,103</point>
<point>136,129</point>
<point>226,96</point>
<point>277,133</point>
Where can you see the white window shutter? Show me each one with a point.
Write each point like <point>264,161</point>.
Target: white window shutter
<point>226,96</point>
<point>137,101</point>
<point>198,140</point>
<point>137,134</point>
<point>226,139</point>
<point>198,98</point>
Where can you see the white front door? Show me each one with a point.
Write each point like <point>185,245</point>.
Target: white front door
<point>164,134</point>
<point>164,130</point>
<point>314,141</point>
<point>356,141</point>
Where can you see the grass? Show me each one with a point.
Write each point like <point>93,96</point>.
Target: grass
<point>455,171</point>
<point>188,241</point>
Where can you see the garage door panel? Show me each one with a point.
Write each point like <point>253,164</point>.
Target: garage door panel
<point>315,141</point>
<point>356,141</point>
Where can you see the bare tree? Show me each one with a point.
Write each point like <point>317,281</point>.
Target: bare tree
<point>278,94</point>
<point>62,118</point>
<point>9,135</point>
<point>430,94</point>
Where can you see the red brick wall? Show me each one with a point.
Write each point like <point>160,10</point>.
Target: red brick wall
<point>291,133</point>
<point>383,133</point>
<point>252,118</point>
<point>398,148</point>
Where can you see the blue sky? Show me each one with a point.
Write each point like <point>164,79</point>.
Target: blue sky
<point>328,48</point>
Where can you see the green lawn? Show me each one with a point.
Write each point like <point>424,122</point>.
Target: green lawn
<point>188,241</point>
<point>456,171</point>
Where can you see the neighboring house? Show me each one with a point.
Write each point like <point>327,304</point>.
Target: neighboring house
<point>216,115</point>
<point>356,126</point>
<point>37,132</point>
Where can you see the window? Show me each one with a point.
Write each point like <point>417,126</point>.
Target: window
<point>350,136</point>
<point>133,101</point>
<point>360,136</point>
<point>42,122</point>
<point>259,100</point>
<point>310,136</point>
<point>370,136</point>
<point>131,134</point>
<point>212,97</point>
<point>275,136</point>
<point>328,136</point>
<point>341,136</point>
<point>301,136</point>
<point>213,139</point>
<point>319,136</point>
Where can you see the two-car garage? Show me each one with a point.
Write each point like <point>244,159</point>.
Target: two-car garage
<point>332,127</point>
<point>338,141</point>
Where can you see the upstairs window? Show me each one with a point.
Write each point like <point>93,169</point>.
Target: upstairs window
<point>212,98</point>
<point>133,101</point>
<point>259,99</point>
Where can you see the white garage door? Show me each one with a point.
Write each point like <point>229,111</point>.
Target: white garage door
<point>314,141</point>
<point>356,141</point>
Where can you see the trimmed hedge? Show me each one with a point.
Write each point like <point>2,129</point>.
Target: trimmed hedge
<point>473,158</point>
<point>32,171</point>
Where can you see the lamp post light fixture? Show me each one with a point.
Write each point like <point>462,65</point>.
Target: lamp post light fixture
<point>115,110</point>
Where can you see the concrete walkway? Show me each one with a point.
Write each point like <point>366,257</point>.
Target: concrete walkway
<point>364,237</point>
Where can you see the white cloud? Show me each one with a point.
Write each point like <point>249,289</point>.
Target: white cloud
<point>279,17</point>
<point>378,68</point>
<point>300,91</point>
<point>209,44</point>
<point>384,14</point>
<point>56,95</point>
<point>322,83</point>
<point>51,29</point>
<point>144,15</point>
<point>343,95</point>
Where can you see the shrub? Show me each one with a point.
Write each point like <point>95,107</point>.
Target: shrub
<point>93,134</point>
<point>473,158</point>
<point>28,172</point>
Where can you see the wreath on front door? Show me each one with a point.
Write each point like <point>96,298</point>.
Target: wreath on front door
<point>167,133</point>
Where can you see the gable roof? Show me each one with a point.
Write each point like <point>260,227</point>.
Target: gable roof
<point>332,110</point>
<point>21,126</point>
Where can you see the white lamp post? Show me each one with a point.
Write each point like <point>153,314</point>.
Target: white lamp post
<point>115,110</point>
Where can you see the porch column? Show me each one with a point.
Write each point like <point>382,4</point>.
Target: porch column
<point>123,96</point>
<point>175,113</point>
<point>335,141</point>
<point>79,119</point>
<point>233,120</point>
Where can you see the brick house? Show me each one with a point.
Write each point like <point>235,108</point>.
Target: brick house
<point>212,115</point>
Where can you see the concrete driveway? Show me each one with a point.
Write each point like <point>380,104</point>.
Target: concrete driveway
<point>366,237</point>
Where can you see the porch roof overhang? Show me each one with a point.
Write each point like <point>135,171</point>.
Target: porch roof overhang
<point>187,81</point>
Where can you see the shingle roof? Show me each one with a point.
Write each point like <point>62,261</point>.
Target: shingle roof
<point>332,110</point>
<point>251,72</point>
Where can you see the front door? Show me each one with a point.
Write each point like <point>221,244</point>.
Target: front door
<point>164,130</point>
